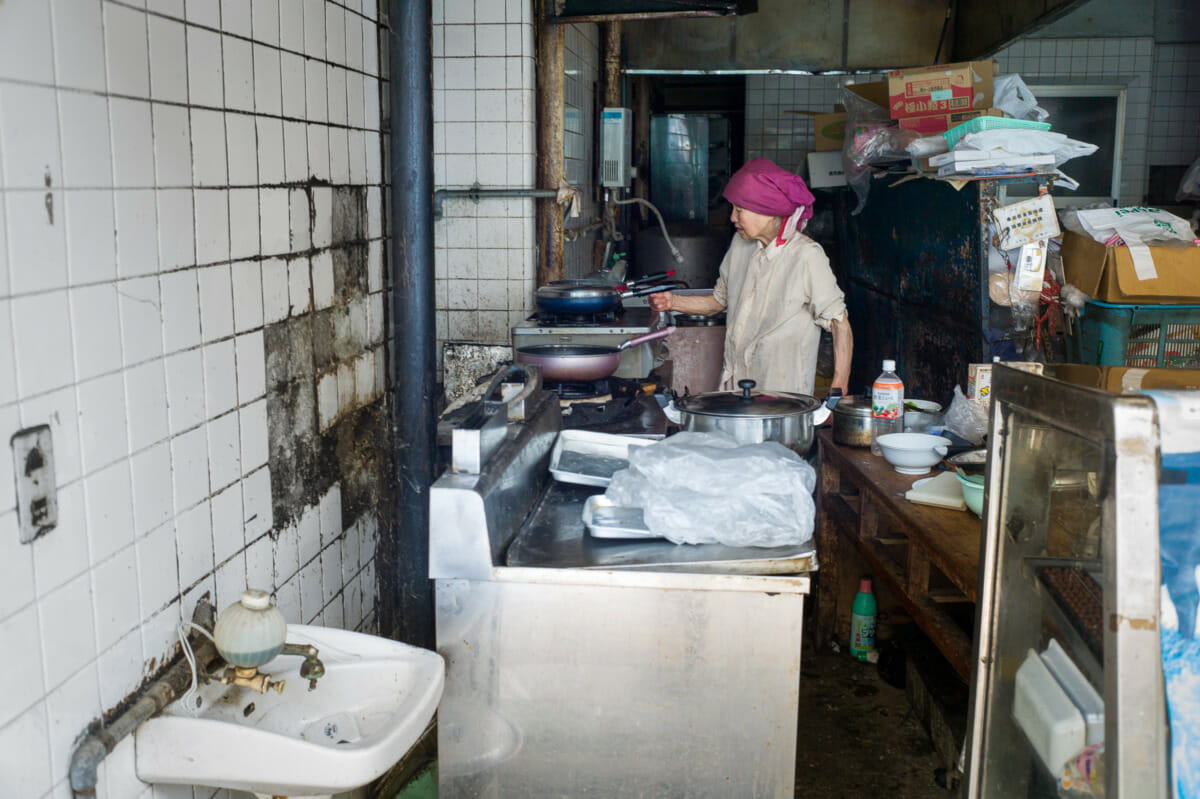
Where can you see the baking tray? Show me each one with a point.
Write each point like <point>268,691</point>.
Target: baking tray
<point>603,519</point>
<point>589,458</point>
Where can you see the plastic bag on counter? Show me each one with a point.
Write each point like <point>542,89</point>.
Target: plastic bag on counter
<point>1013,97</point>
<point>1135,225</point>
<point>1022,141</point>
<point>706,488</point>
<point>967,418</point>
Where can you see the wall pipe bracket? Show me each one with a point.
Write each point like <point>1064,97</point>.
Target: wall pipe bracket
<point>477,193</point>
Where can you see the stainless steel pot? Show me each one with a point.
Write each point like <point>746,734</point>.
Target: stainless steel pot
<point>852,422</point>
<point>753,417</point>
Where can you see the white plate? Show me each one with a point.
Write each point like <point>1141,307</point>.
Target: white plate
<point>589,458</point>
<point>603,519</point>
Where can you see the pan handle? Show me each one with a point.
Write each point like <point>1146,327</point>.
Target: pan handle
<point>641,291</point>
<point>646,280</point>
<point>654,336</point>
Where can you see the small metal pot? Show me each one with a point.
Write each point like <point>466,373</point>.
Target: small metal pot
<point>753,417</point>
<point>852,422</point>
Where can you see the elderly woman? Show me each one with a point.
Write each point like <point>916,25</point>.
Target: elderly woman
<point>777,286</point>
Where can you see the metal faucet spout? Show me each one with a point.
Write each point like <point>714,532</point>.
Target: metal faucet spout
<point>312,669</point>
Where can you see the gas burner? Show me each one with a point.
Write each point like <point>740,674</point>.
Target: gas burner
<point>586,413</point>
<point>545,319</point>
<point>570,390</point>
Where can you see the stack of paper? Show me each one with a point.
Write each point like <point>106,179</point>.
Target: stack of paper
<point>990,162</point>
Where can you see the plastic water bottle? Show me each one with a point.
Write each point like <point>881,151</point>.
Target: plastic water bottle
<point>887,404</point>
<point>862,621</point>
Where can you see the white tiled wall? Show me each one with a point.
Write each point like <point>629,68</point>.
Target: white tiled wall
<point>164,199</point>
<point>1162,103</point>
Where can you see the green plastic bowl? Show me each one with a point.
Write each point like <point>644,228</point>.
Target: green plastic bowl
<point>972,488</point>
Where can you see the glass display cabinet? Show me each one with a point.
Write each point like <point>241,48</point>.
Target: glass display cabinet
<point>1067,645</point>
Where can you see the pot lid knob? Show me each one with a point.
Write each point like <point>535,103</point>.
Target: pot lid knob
<point>746,386</point>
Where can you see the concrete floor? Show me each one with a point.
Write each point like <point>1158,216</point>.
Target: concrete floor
<point>858,738</point>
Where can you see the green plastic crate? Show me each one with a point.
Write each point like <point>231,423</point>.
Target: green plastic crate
<point>1148,336</point>
<point>979,124</point>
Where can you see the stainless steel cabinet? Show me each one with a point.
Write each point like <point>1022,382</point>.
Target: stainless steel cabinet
<point>1070,555</point>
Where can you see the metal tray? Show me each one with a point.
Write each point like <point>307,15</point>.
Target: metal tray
<point>589,458</point>
<point>603,519</point>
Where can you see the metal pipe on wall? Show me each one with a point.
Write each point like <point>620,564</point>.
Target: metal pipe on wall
<point>405,591</point>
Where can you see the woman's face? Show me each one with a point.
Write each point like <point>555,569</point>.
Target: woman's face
<point>755,226</point>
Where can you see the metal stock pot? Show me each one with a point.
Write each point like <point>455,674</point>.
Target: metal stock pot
<point>753,417</point>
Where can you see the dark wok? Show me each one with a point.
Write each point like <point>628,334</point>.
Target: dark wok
<point>566,298</point>
<point>572,362</point>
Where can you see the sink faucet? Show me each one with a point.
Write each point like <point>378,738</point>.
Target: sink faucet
<point>250,633</point>
<point>312,669</point>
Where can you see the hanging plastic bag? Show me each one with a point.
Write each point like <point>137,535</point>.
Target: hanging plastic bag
<point>862,118</point>
<point>967,418</point>
<point>1013,97</point>
<point>706,488</point>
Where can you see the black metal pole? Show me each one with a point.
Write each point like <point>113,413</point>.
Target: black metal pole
<point>406,594</point>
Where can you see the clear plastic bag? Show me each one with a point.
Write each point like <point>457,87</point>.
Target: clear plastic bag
<point>705,488</point>
<point>967,418</point>
<point>1021,141</point>
<point>1189,186</point>
<point>1013,97</point>
<point>862,118</point>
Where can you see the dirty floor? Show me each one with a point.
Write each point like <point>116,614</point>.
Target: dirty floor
<point>857,737</point>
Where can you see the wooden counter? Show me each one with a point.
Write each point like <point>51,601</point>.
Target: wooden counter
<point>926,557</point>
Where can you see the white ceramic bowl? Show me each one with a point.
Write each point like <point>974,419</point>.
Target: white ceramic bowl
<point>913,453</point>
<point>928,414</point>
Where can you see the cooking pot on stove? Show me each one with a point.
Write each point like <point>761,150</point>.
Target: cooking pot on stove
<point>753,417</point>
<point>852,421</point>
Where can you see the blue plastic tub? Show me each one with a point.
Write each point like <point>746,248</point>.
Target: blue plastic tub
<point>1108,334</point>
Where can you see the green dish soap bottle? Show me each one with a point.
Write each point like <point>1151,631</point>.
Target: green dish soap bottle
<point>862,621</point>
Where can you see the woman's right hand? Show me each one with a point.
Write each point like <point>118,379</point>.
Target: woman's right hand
<point>660,301</point>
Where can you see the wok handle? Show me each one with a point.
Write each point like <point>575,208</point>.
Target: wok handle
<point>647,280</point>
<point>654,336</point>
<point>642,291</point>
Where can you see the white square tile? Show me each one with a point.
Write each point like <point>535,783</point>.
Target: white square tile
<point>376,320</point>
<point>115,591</point>
<point>180,310</point>
<point>374,157</point>
<point>58,410</point>
<point>176,229</point>
<point>339,157</point>
<point>243,149</point>
<point>331,577</point>
<point>322,216</point>
<point>137,247</point>
<point>125,51</point>
<point>70,708</point>
<point>78,44</point>
<point>256,503</point>
<point>209,165</point>
<point>160,634</point>
<point>153,503</point>
<point>158,575</point>
<point>91,242</point>
<point>16,559</point>
<point>299,287</point>
<point>267,92</point>
<point>206,82</point>
<point>172,145</point>
<point>291,28</point>
<point>243,223</point>
<point>275,290</point>
<point>252,424</point>
<point>247,295</point>
<point>375,266</point>
<point>295,151</point>
<point>68,641</point>
<point>374,212</point>
<point>270,151</point>
<point>355,105</point>
<point>311,595</point>
<point>168,60</point>
<point>299,220</point>
<point>335,33</point>
<point>27,129</point>
<point>24,747</point>
<point>314,28</point>
<point>309,528</point>
<point>230,580</point>
<point>62,554</point>
<point>224,451</point>
<point>260,567</point>
<point>193,544</point>
<point>109,511</point>
<point>316,104</point>
<point>354,42</point>
<point>336,93</point>
<point>185,389</point>
<point>102,434</point>
<point>204,12</point>
<point>370,49</point>
<point>364,379</point>
<point>346,393</point>
<point>266,20</point>
<point>216,301</point>
<point>146,394</point>
<point>141,323</point>
<point>212,225</point>
<point>330,510</point>
<point>87,153</point>
<point>22,638</point>
<point>220,378</point>
<point>322,279</point>
<point>41,334</point>
<point>460,41</point>
<point>358,159</point>
<point>133,143</point>
<point>235,17</point>
<point>327,400</point>
<point>275,224</point>
<point>251,367</point>
<point>238,72</point>
<point>189,467</point>
<point>120,671</point>
<point>292,85</point>
<point>95,324</point>
<point>287,555</point>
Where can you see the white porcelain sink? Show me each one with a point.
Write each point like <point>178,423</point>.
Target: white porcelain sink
<point>375,700</point>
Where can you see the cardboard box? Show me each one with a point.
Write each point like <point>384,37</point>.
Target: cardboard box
<point>979,377</point>
<point>873,91</point>
<point>940,89</point>
<point>940,123</point>
<point>829,131</point>
<point>825,170</point>
<point>1124,379</point>
<point>1107,273</point>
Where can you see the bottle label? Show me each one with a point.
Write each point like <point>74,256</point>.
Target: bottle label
<point>863,633</point>
<point>886,399</point>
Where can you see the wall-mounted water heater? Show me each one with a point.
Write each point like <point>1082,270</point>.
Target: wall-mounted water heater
<point>616,148</point>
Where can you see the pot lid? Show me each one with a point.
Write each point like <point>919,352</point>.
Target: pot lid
<point>853,406</point>
<point>765,404</point>
<point>575,292</point>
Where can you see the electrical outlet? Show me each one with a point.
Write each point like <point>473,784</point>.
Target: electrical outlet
<point>37,498</point>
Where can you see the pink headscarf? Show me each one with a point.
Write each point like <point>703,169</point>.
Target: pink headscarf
<point>765,188</point>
